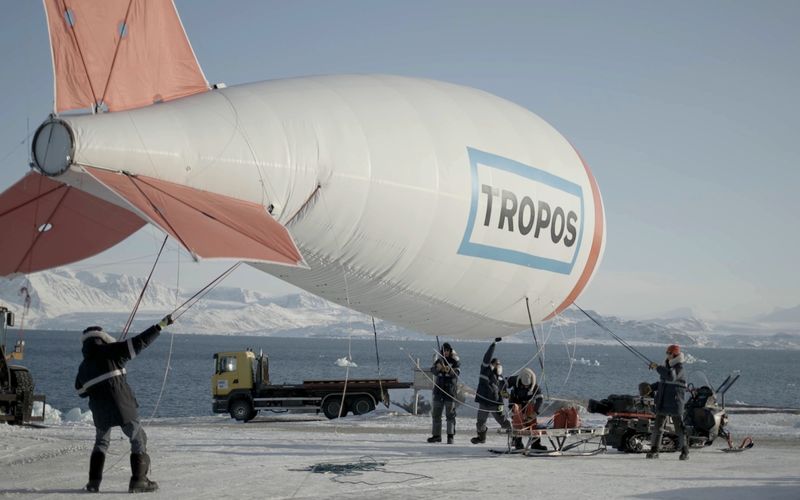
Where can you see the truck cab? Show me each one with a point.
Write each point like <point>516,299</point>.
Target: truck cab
<point>235,378</point>
<point>235,371</point>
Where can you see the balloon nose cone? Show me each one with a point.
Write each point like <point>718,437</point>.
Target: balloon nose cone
<point>53,147</point>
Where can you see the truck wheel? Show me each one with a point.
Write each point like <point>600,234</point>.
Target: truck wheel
<point>362,405</point>
<point>331,406</point>
<point>242,410</point>
<point>22,383</point>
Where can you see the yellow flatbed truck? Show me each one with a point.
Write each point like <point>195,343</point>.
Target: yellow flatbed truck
<point>241,386</point>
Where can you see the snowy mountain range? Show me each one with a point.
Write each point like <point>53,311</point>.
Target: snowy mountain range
<point>71,300</point>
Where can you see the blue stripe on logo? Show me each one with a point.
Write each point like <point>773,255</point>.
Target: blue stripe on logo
<point>504,254</point>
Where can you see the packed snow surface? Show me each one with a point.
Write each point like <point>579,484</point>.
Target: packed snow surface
<point>274,457</point>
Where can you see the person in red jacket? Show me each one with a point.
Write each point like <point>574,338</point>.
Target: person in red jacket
<point>101,378</point>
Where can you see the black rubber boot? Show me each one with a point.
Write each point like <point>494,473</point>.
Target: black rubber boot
<point>435,439</point>
<point>684,453</point>
<point>652,454</point>
<point>518,444</point>
<point>480,439</point>
<point>450,439</point>
<point>536,444</point>
<point>96,463</point>
<point>140,465</point>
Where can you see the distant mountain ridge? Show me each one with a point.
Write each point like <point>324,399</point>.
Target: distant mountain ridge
<point>64,299</point>
<point>781,315</point>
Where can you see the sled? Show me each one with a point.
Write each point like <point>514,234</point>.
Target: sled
<point>579,441</point>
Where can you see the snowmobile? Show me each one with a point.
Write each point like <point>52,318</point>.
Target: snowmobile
<point>632,418</point>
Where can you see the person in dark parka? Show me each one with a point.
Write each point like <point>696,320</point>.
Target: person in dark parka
<point>488,396</point>
<point>101,378</point>
<point>669,396</point>
<point>446,369</point>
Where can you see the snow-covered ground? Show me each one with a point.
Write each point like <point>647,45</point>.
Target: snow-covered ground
<point>215,457</point>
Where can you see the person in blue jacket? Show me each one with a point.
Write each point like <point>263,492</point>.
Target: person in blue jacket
<point>670,391</point>
<point>101,378</point>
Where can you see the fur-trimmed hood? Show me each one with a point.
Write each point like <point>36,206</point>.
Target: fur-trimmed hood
<point>97,334</point>
<point>678,359</point>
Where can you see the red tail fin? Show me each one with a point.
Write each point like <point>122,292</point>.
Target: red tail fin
<point>55,224</point>
<point>120,54</point>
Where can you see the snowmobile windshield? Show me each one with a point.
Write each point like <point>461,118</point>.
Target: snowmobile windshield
<point>699,387</point>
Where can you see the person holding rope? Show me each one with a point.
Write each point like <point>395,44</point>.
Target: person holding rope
<point>488,396</point>
<point>669,395</point>
<point>101,378</point>
<point>446,369</point>
<point>524,400</point>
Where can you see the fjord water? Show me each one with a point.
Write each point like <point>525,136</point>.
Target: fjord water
<point>768,377</point>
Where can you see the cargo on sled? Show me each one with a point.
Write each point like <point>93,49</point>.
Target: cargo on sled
<point>566,436</point>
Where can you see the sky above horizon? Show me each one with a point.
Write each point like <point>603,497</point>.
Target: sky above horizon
<point>686,113</point>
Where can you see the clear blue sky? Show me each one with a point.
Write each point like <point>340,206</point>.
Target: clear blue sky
<point>687,113</point>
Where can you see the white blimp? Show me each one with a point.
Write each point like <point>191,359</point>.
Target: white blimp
<point>434,206</point>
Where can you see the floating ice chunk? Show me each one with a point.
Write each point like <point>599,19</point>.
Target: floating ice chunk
<point>689,359</point>
<point>586,362</point>
<point>346,362</point>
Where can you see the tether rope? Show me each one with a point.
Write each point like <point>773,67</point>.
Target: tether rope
<point>144,288</point>
<point>536,342</point>
<point>350,318</point>
<point>364,464</point>
<point>202,292</point>
<point>171,342</point>
<point>615,336</point>
<point>15,148</point>
<point>378,361</point>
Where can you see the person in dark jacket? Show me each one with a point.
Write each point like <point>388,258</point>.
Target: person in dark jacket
<point>101,378</point>
<point>526,395</point>
<point>446,369</point>
<point>488,396</point>
<point>669,395</point>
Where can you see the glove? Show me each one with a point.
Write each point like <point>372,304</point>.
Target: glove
<point>445,368</point>
<point>653,365</point>
<point>503,394</point>
<point>499,408</point>
<point>498,339</point>
<point>166,321</point>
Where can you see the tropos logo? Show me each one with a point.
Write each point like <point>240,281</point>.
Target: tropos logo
<point>522,215</point>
